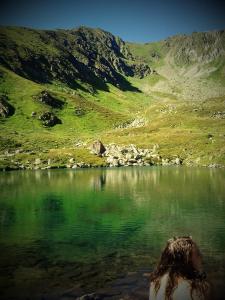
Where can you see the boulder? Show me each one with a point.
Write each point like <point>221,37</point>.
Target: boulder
<point>165,162</point>
<point>49,119</point>
<point>132,161</point>
<point>37,161</point>
<point>178,161</point>
<point>98,148</point>
<point>46,98</point>
<point>129,156</point>
<point>114,163</point>
<point>6,109</point>
<point>122,162</point>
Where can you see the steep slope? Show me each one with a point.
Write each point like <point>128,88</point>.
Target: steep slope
<point>92,56</point>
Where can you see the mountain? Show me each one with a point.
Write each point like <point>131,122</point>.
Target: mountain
<point>93,56</point>
<point>64,89</point>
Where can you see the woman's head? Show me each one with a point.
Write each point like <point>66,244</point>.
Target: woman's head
<point>180,258</point>
<point>181,255</point>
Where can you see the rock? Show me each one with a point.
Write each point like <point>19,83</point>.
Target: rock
<point>132,161</point>
<point>79,111</point>
<point>90,297</point>
<point>98,148</point>
<point>214,166</point>
<point>121,162</point>
<point>46,98</point>
<point>178,161</point>
<point>71,160</point>
<point>218,115</point>
<point>17,151</point>
<point>135,123</point>
<point>109,159</point>
<point>6,109</point>
<point>113,162</point>
<point>148,155</point>
<point>81,165</point>
<point>124,151</point>
<point>165,162</point>
<point>138,156</point>
<point>49,119</point>
<point>37,161</point>
<point>129,156</point>
<point>209,136</point>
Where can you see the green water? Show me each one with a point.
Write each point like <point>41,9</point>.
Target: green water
<point>85,228</point>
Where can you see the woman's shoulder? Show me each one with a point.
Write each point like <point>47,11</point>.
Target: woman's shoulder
<point>160,294</point>
<point>181,292</point>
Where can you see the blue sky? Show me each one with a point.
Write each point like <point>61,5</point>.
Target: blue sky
<point>139,21</point>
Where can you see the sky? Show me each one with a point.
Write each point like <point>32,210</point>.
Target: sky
<point>132,20</point>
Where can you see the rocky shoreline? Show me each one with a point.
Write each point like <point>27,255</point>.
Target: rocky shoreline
<point>112,155</point>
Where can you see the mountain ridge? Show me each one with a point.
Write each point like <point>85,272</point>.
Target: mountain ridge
<point>95,56</point>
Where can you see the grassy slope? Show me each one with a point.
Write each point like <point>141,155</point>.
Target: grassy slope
<point>178,110</point>
<point>180,128</point>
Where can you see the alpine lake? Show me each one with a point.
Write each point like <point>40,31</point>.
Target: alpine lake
<point>68,233</point>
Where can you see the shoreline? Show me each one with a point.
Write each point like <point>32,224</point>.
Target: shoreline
<point>96,155</point>
<point>60,167</point>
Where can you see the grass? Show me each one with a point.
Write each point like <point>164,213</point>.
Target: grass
<point>184,127</point>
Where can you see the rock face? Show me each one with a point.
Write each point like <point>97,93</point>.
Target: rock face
<point>6,109</point>
<point>46,98</point>
<point>98,148</point>
<point>49,119</point>
<point>93,56</point>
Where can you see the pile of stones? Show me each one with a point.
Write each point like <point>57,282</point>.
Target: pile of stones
<point>131,155</point>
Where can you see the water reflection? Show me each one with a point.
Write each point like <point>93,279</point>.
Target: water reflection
<point>7,215</point>
<point>53,218</point>
<point>52,211</point>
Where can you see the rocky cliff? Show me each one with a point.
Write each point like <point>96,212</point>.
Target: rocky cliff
<point>91,56</point>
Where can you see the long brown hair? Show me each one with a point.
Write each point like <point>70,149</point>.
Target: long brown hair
<point>176,260</point>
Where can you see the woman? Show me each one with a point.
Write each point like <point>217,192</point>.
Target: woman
<point>178,275</point>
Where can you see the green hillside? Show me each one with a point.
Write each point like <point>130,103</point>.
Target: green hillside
<point>69,88</point>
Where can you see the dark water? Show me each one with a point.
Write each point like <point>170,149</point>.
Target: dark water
<point>82,230</point>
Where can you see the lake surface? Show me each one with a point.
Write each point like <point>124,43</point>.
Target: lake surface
<point>64,233</point>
